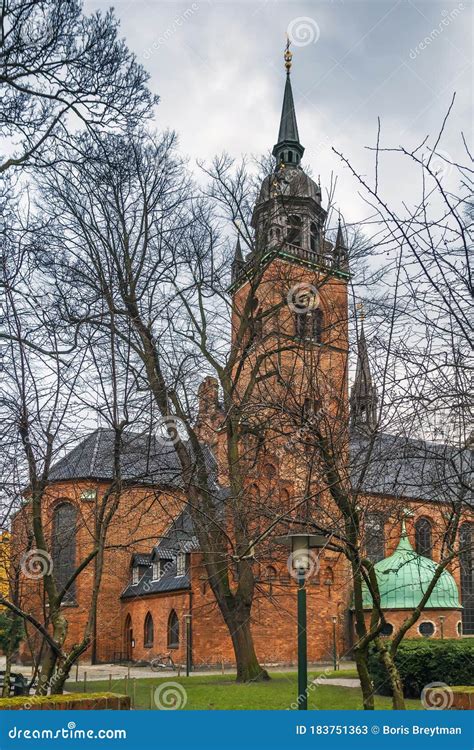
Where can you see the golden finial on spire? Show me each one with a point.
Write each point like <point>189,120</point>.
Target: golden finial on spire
<point>360,307</point>
<point>288,56</point>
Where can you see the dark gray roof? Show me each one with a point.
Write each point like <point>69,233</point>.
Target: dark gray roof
<point>141,559</point>
<point>179,538</point>
<point>412,469</point>
<point>144,459</point>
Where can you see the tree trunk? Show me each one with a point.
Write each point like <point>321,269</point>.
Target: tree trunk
<point>398,699</point>
<point>6,679</point>
<point>365,679</point>
<point>237,619</point>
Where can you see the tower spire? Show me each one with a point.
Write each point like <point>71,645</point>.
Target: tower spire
<point>238,262</point>
<point>288,149</point>
<point>363,401</point>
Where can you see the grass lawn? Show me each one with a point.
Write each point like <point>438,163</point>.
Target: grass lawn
<point>221,692</point>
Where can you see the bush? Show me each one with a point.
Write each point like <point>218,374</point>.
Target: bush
<point>67,702</point>
<point>421,662</point>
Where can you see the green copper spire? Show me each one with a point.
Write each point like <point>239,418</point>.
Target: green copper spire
<point>404,577</point>
<point>288,150</point>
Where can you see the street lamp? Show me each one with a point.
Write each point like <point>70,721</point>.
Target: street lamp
<point>441,622</point>
<point>334,643</point>
<point>301,563</point>
<point>189,652</point>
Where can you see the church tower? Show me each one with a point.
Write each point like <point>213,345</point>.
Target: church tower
<point>295,279</point>
<point>363,402</point>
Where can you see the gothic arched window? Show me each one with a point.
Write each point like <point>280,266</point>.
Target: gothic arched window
<point>313,237</point>
<point>293,235</point>
<point>173,630</point>
<point>466,560</point>
<point>317,325</point>
<point>309,325</point>
<point>148,634</point>
<point>423,543</point>
<point>374,537</point>
<point>64,548</point>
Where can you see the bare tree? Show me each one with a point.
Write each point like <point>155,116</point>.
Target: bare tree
<point>61,71</point>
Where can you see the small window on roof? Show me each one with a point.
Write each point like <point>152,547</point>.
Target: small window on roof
<point>181,564</point>
<point>135,575</point>
<point>156,571</point>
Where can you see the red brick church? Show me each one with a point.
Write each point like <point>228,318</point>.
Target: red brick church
<point>155,596</point>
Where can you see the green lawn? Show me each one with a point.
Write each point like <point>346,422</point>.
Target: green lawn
<point>221,692</point>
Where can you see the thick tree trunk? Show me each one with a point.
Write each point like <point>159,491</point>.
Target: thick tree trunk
<point>248,668</point>
<point>365,679</point>
<point>398,699</point>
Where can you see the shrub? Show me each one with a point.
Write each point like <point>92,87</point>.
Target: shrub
<point>66,702</point>
<point>421,662</point>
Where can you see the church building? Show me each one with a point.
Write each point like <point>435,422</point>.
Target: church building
<point>155,596</point>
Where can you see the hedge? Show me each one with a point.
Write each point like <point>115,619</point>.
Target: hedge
<point>66,701</point>
<point>421,662</point>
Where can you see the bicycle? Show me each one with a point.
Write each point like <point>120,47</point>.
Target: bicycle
<point>162,662</point>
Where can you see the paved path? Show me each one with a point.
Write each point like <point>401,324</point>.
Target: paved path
<point>117,671</point>
<point>342,681</point>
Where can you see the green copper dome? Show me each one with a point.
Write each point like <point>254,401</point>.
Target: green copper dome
<point>404,577</point>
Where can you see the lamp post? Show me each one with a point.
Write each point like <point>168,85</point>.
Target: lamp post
<point>334,643</point>
<point>301,562</point>
<point>187,621</point>
<point>441,622</point>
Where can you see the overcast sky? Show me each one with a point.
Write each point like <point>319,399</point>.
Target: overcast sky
<point>218,69</point>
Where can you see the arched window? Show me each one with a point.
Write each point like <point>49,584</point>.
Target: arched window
<point>423,544</point>
<point>466,560</point>
<point>309,325</point>
<point>270,573</point>
<point>317,325</point>
<point>64,548</point>
<point>148,635</point>
<point>257,321</point>
<point>313,237</point>
<point>374,537</point>
<point>128,638</point>
<point>173,630</point>
<point>269,471</point>
<point>293,234</point>
<point>290,157</point>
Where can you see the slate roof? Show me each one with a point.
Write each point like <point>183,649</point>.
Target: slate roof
<point>412,469</point>
<point>180,537</point>
<point>144,459</point>
<point>400,467</point>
